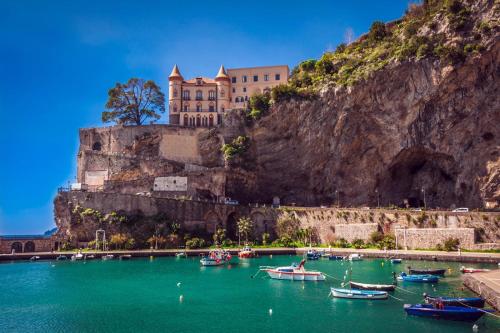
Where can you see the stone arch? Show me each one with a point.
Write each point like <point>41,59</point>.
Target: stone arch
<point>231,227</point>
<point>212,221</point>
<point>259,223</point>
<point>29,246</point>
<point>17,247</point>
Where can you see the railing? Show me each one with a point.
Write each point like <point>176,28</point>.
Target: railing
<point>186,98</point>
<point>201,110</point>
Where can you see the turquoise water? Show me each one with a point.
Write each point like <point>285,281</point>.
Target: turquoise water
<point>141,295</point>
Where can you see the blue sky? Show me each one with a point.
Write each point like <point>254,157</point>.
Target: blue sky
<point>59,58</point>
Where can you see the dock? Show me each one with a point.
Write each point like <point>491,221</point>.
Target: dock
<point>486,285</point>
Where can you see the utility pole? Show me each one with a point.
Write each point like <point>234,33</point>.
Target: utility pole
<point>425,203</point>
<point>337,195</point>
<point>378,199</point>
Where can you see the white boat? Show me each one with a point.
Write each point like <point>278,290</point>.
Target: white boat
<point>181,255</point>
<point>35,258</point>
<point>294,272</point>
<point>216,258</point>
<point>78,256</point>
<point>247,252</point>
<point>108,257</point>
<point>355,257</point>
<point>358,294</point>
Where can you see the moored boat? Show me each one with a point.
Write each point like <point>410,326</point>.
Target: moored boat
<point>107,257</point>
<point>216,258</point>
<point>445,312</point>
<point>294,272</point>
<point>368,286</point>
<point>34,258</point>
<point>246,252</point>
<point>313,255</point>
<point>334,257</point>
<point>422,278</point>
<point>396,260</point>
<point>77,256</point>
<point>476,302</point>
<point>355,257</point>
<point>61,257</point>
<point>439,271</point>
<point>358,294</point>
<point>464,269</point>
<point>125,257</point>
<point>181,255</point>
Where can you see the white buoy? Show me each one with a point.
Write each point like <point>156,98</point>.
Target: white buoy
<point>53,265</point>
<point>475,328</point>
<point>270,312</point>
<point>178,284</point>
<point>271,256</point>
<point>181,298</point>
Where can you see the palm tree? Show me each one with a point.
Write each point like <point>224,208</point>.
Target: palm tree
<point>245,226</point>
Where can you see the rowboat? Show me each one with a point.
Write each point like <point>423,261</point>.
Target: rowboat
<point>181,255</point>
<point>247,252</point>
<point>108,257</point>
<point>473,270</point>
<point>125,257</point>
<point>367,286</point>
<point>355,257</point>
<point>426,271</point>
<point>34,258</point>
<point>396,260</point>
<point>293,272</point>
<point>313,255</point>
<point>61,257</point>
<point>358,294</point>
<point>77,256</point>
<point>475,302</point>
<point>215,258</point>
<point>445,312</point>
<point>423,278</point>
<point>334,257</point>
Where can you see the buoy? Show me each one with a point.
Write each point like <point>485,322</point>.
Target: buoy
<point>53,265</point>
<point>271,256</point>
<point>178,284</point>
<point>151,257</point>
<point>475,328</point>
<point>382,263</point>
<point>270,312</point>
<point>181,298</point>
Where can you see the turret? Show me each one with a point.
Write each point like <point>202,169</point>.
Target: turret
<point>174,95</point>
<point>223,85</point>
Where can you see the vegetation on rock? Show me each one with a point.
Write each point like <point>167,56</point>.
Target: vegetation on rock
<point>235,148</point>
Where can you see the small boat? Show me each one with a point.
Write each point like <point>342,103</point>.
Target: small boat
<point>355,257</point>
<point>216,258</point>
<point>125,256</point>
<point>396,260</point>
<point>334,257</point>
<point>445,312</point>
<point>34,258</point>
<point>77,256</point>
<point>473,270</point>
<point>422,278</point>
<point>313,255</point>
<point>358,294</point>
<point>247,252</point>
<point>90,256</point>
<point>368,286</point>
<point>61,257</point>
<point>426,271</point>
<point>108,257</point>
<point>181,255</point>
<point>293,272</point>
<point>476,302</point>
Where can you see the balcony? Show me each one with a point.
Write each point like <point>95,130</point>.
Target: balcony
<point>199,98</point>
<point>186,98</point>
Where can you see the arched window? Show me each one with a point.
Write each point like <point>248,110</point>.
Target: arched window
<point>186,107</point>
<point>198,107</point>
<point>211,120</point>
<point>211,107</point>
<point>185,95</point>
<point>222,108</point>
<point>175,92</point>
<point>175,107</point>
<point>205,121</point>
<point>236,99</point>
<point>199,95</point>
<point>222,93</point>
<point>191,121</point>
<point>211,95</point>
<point>198,120</point>
<point>186,120</point>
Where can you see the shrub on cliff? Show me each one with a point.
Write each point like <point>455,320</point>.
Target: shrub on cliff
<point>376,237</point>
<point>451,244</point>
<point>287,225</point>
<point>358,244</point>
<point>236,148</point>
<point>259,105</point>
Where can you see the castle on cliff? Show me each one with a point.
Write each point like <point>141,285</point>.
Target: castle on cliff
<point>201,101</point>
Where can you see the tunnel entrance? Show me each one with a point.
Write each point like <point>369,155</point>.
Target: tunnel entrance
<point>232,227</point>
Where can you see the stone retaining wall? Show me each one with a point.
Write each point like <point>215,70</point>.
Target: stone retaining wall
<point>351,232</point>
<point>430,238</point>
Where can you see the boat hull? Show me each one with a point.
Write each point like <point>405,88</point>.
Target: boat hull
<point>419,278</point>
<point>359,294</point>
<point>474,270</point>
<point>332,257</point>
<point>211,262</point>
<point>367,286</point>
<point>439,272</point>
<point>447,313</point>
<point>476,302</point>
<point>295,276</point>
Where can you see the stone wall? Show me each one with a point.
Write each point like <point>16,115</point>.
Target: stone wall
<point>26,244</point>
<point>354,231</point>
<point>430,238</point>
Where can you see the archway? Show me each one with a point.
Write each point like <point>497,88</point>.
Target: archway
<point>231,226</point>
<point>212,222</point>
<point>29,246</point>
<point>17,247</point>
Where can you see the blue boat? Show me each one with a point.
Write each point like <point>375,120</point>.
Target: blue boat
<point>334,257</point>
<point>313,255</point>
<point>476,302</point>
<point>396,260</point>
<point>358,294</point>
<point>424,278</point>
<point>445,312</point>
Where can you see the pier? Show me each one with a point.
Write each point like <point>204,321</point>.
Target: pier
<point>486,285</point>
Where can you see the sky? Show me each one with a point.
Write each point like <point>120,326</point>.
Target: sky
<point>59,58</point>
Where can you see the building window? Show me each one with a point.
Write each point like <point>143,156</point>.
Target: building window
<point>211,95</point>
<point>246,98</point>
<point>211,121</point>
<point>277,77</point>
<point>175,92</point>
<point>199,82</point>
<point>199,95</point>
<point>255,78</point>
<point>175,107</point>
<point>234,90</point>
<point>198,120</point>
<point>185,95</point>
<point>222,93</point>
<point>244,89</point>
<point>266,77</point>
<point>186,120</point>
<point>198,107</point>
<point>211,108</point>
<point>222,108</point>
<point>244,78</point>
<point>233,79</point>
<point>186,107</point>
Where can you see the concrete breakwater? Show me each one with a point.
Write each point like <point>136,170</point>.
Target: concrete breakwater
<point>486,285</point>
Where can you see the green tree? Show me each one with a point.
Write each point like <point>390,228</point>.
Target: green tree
<point>118,240</point>
<point>134,102</point>
<point>157,241</point>
<point>245,226</point>
<point>219,235</point>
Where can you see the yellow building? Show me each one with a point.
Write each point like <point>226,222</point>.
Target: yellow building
<point>200,102</point>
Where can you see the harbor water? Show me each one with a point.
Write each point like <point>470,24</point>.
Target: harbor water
<point>178,295</point>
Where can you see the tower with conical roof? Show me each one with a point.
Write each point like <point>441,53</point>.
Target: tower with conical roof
<point>174,95</point>
<point>223,85</point>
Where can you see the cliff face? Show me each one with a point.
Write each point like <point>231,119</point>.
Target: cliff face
<point>418,124</point>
